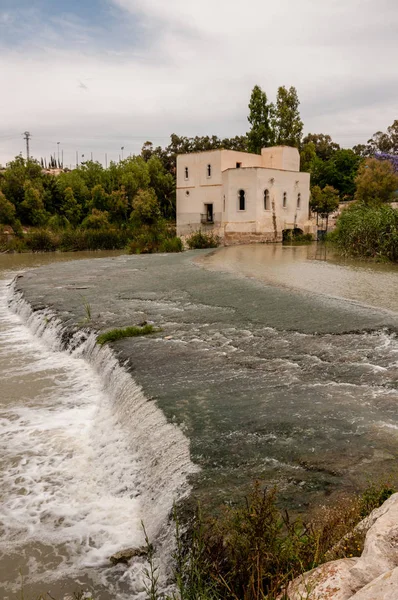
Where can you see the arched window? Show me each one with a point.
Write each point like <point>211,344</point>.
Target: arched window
<point>186,173</point>
<point>242,200</point>
<point>208,170</point>
<point>298,200</point>
<point>266,200</point>
<point>284,200</point>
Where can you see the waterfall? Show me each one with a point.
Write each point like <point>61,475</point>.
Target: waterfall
<point>138,464</point>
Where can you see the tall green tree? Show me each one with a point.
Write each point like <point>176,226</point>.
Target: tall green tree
<point>32,208</point>
<point>146,208</point>
<point>324,202</point>
<point>308,157</point>
<point>99,198</point>
<point>287,123</point>
<point>339,172</point>
<point>260,113</point>
<point>325,147</point>
<point>7,211</point>
<point>376,181</point>
<point>71,208</point>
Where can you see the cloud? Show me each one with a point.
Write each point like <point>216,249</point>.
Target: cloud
<point>188,66</point>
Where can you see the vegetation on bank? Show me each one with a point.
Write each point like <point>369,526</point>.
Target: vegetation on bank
<point>369,227</point>
<point>118,334</point>
<point>200,240</point>
<point>251,552</point>
<point>370,232</point>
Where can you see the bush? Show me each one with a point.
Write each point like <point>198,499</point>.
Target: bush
<point>173,244</point>
<point>10,243</point>
<point>98,220</point>
<point>41,241</point>
<point>103,239</point>
<point>154,238</point>
<point>253,551</point>
<point>368,231</point>
<point>199,240</point>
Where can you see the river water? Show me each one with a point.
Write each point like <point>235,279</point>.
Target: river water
<point>63,509</point>
<point>252,383</point>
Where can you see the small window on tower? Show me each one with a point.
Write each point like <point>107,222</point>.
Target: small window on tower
<point>242,200</point>
<point>186,173</point>
<point>238,165</point>
<point>208,170</point>
<point>284,200</point>
<point>298,200</point>
<point>266,199</point>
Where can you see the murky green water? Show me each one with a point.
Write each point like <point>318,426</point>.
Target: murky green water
<point>315,268</point>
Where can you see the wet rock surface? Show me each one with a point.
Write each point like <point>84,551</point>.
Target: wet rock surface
<point>270,383</point>
<point>124,556</point>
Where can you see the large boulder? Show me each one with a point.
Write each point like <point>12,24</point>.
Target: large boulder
<point>384,587</point>
<point>372,576</point>
<point>330,581</point>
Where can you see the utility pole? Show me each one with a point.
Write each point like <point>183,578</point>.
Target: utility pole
<point>58,151</point>
<point>122,148</point>
<point>27,138</point>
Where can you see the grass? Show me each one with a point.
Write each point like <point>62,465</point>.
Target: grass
<point>118,334</point>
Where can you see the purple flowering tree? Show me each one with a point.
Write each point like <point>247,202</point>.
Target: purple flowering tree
<point>393,158</point>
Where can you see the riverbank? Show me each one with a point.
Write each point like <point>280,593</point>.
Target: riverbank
<point>266,382</point>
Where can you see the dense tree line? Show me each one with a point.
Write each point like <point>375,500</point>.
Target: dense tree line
<point>89,195</point>
<point>93,197</point>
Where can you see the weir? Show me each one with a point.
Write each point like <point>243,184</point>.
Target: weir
<point>117,461</point>
<point>266,382</point>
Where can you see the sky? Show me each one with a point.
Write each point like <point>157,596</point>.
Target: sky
<point>96,75</point>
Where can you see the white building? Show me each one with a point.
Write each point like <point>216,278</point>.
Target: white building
<point>243,197</point>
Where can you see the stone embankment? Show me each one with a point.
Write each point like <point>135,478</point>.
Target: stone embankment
<point>372,576</point>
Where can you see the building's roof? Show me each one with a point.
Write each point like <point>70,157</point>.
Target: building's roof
<point>266,169</point>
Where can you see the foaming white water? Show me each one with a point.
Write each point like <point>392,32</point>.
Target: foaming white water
<point>85,457</point>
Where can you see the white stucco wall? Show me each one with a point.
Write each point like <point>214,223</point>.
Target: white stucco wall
<point>254,182</point>
<point>281,157</point>
<point>222,187</point>
<point>199,189</point>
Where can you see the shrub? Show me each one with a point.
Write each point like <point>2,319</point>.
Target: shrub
<point>368,231</point>
<point>58,223</point>
<point>173,244</point>
<point>97,220</point>
<point>254,550</point>
<point>103,239</point>
<point>200,240</point>
<point>10,243</point>
<point>41,241</point>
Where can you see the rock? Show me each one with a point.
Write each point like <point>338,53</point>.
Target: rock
<point>372,576</point>
<point>384,587</point>
<point>330,581</point>
<point>123,556</point>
